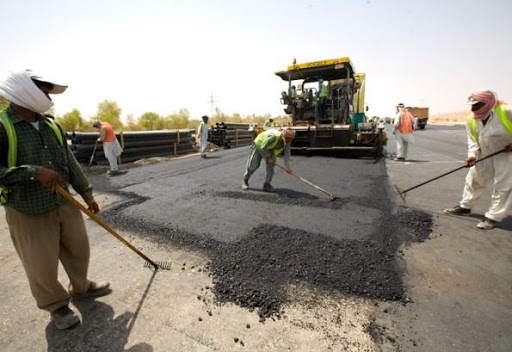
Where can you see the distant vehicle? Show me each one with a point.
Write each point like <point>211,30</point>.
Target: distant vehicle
<point>420,117</point>
<point>344,127</point>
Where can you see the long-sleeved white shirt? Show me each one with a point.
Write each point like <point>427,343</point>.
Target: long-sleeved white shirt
<point>492,137</point>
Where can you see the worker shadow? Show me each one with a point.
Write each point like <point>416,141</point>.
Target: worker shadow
<point>100,330</point>
<point>292,194</point>
<point>414,161</point>
<point>505,224</point>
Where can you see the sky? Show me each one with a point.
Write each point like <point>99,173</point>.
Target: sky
<point>163,56</point>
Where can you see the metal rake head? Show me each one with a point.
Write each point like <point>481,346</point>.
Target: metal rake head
<point>159,265</point>
<point>400,193</point>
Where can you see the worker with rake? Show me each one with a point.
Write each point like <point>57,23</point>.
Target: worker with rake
<point>44,227</point>
<point>489,129</point>
<point>268,145</point>
<point>111,147</point>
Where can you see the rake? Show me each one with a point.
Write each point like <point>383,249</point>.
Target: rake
<point>332,196</point>
<point>149,263</point>
<point>403,193</point>
<point>93,153</point>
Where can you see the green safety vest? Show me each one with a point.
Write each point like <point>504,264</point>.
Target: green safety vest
<point>324,91</point>
<point>12,138</point>
<point>500,109</point>
<point>262,137</point>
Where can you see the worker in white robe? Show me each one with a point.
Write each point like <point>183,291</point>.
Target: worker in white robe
<point>489,129</point>
<point>202,133</point>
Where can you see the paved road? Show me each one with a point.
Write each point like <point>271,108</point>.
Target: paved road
<point>457,283</point>
<point>460,279</point>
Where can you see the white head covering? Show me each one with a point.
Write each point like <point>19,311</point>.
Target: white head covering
<point>18,88</point>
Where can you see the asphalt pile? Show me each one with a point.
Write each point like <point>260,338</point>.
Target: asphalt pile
<point>258,271</point>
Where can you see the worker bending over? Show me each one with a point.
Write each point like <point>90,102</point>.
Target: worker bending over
<point>268,145</point>
<point>111,147</point>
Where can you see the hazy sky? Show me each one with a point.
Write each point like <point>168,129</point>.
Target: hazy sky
<point>161,56</point>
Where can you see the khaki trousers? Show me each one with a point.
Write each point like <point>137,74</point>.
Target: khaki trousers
<point>40,241</point>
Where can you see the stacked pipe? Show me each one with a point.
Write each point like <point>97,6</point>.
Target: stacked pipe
<point>136,145</point>
<point>230,135</point>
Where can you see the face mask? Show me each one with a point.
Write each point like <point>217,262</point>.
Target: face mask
<point>19,89</point>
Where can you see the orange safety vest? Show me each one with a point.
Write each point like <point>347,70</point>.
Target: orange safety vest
<point>405,125</point>
<point>111,135</point>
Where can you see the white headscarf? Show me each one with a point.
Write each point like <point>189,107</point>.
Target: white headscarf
<point>18,88</point>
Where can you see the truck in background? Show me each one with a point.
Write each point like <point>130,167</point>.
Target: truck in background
<point>420,117</point>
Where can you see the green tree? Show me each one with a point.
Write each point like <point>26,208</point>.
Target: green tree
<point>109,111</point>
<point>132,124</point>
<point>177,120</point>
<point>150,121</point>
<point>236,118</point>
<point>71,121</point>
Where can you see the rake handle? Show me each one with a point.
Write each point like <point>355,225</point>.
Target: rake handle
<point>93,153</point>
<point>452,171</point>
<point>100,222</point>
<point>332,196</point>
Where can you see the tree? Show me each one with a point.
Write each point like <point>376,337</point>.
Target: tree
<point>150,120</point>
<point>71,121</point>
<point>109,111</point>
<point>177,120</point>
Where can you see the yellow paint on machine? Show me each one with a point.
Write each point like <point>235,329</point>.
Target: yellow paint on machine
<point>328,62</point>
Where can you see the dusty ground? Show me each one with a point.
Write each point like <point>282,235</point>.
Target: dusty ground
<point>459,117</point>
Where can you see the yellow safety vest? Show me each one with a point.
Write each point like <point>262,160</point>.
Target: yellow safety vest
<point>262,137</point>
<point>324,91</point>
<point>12,139</point>
<point>500,109</point>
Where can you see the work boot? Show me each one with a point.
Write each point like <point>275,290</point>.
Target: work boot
<point>267,187</point>
<point>486,224</point>
<point>95,290</point>
<point>64,318</point>
<point>457,210</point>
<point>112,172</point>
<point>245,185</point>
<point>399,159</point>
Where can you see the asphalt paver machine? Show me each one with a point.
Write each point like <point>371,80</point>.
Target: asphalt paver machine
<point>337,122</point>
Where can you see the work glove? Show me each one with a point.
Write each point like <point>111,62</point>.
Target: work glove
<point>288,169</point>
<point>271,160</point>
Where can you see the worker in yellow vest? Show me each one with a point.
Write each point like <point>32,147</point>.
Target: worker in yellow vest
<point>111,146</point>
<point>402,129</point>
<point>268,145</point>
<point>44,227</point>
<point>489,129</point>
<point>322,93</point>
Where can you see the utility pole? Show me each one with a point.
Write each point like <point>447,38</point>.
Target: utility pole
<point>211,103</point>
